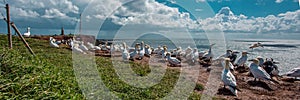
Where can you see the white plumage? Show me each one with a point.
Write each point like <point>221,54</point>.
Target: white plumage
<point>83,47</point>
<point>228,78</point>
<point>294,72</point>
<point>173,61</point>
<point>52,43</point>
<point>125,54</point>
<point>259,72</point>
<point>209,54</point>
<point>243,59</point>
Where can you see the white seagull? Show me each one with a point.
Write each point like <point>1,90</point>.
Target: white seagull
<point>173,61</point>
<point>259,72</point>
<point>294,73</point>
<point>148,50</point>
<point>76,49</point>
<point>228,78</point>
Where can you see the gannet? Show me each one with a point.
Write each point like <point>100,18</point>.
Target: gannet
<point>261,61</point>
<point>259,72</point>
<point>157,50</point>
<point>226,55</point>
<point>242,60</point>
<point>255,45</point>
<point>148,50</point>
<point>173,61</point>
<point>233,56</point>
<point>125,54</point>
<point>195,55</point>
<point>270,67</point>
<point>294,73</point>
<point>77,50</point>
<point>188,51</point>
<point>141,52</point>
<point>208,55</point>
<point>133,53</point>
<point>27,34</point>
<point>164,53</point>
<point>90,45</point>
<point>52,43</point>
<point>83,47</point>
<point>228,78</point>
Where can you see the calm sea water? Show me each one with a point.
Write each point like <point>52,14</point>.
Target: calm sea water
<point>282,47</point>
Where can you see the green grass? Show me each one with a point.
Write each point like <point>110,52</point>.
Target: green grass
<point>50,75</point>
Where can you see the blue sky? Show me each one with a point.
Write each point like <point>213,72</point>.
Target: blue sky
<point>255,15</point>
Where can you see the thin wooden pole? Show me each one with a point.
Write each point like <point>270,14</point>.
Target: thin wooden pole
<point>20,35</point>
<point>8,27</point>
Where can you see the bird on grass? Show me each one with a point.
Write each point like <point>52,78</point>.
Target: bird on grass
<point>173,61</point>
<point>53,43</point>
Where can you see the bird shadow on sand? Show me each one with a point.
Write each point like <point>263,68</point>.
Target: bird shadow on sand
<point>225,91</point>
<point>260,84</point>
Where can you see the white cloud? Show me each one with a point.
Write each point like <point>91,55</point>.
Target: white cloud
<point>279,1</point>
<point>287,22</point>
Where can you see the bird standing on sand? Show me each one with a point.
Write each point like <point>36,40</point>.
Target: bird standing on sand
<point>228,78</point>
<point>148,50</point>
<point>209,55</point>
<point>173,61</point>
<point>242,60</point>
<point>259,72</point>
<point>52,43</point>
<point>294,73</point>
<point>233,56</point>
<point>226,55</point>
<point>125,54</point>
<point>141,52</point>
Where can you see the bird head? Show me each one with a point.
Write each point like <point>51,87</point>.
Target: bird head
<point>256,61</point>
<point>227,61</point>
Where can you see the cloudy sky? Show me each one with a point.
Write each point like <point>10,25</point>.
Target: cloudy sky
<point>255,16</point>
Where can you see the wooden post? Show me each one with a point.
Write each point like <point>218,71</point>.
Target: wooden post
<point>20,35</point>
<point>8,27</point>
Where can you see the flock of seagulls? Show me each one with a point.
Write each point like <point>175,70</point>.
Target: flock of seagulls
<point>260,68</point>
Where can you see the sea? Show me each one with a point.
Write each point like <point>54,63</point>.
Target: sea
<point>282,47</point>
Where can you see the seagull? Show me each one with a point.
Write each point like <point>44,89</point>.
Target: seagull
<point>83,47</point>
<point>259,72</point>
<point>173,61</point>
<point>294,73</point>
<point>125,54</point>
<point>230,64</point>
<point>157,50</point>
<point>255,45</point>
<point>52,43</point>
<point>242,60</point>
<point>188,51</point>
<point>228,78</point>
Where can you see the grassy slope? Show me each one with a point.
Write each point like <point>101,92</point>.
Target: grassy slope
<point>50,74</point>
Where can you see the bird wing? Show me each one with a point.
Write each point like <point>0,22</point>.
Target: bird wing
<point>258,72</point>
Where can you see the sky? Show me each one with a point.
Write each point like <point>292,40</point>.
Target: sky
<point>249,16</point>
